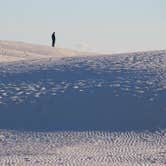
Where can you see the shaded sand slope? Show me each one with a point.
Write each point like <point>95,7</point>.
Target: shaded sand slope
<point>111,93</point>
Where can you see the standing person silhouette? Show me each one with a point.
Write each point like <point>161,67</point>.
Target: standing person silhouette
<point>53,39</point>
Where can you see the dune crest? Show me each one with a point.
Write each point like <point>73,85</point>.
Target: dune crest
<point>15,51</point>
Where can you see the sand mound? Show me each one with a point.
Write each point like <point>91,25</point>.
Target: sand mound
<point>15,51</point>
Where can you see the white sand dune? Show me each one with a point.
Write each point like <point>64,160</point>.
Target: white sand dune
<point>15,51</point>
<point>100,110</point>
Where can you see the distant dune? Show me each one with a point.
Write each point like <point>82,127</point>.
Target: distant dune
<point>15,51</point>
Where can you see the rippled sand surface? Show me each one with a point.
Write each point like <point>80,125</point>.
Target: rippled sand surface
<point>83,148</point>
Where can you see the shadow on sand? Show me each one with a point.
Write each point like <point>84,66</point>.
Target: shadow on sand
<point>96,109</point>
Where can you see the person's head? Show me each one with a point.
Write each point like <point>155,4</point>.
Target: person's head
<point>54,33</point>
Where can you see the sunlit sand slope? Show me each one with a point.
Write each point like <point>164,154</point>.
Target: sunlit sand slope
<point>11,51</point>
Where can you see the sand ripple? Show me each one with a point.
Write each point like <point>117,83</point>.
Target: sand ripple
<point>82,148</point>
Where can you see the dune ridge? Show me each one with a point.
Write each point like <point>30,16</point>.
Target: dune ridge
<point>11,51</point>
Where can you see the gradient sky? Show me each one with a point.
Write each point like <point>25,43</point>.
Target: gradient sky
<point>98,25</point>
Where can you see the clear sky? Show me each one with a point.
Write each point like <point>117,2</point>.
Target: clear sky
<point>99,25</point>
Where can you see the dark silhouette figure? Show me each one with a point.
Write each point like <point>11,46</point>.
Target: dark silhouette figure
<point>53,39</point>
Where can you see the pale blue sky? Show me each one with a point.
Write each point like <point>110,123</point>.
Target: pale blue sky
<point>99,25</point>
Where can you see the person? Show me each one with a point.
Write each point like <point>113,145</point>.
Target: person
<point>53,39</point>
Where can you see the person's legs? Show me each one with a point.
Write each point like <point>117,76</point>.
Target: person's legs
<point>53,43</point>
